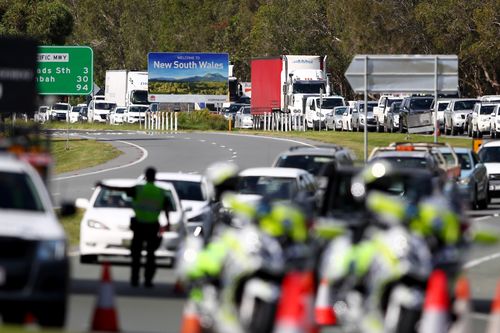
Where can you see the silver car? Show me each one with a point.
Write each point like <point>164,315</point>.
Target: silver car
<point>334,119</point>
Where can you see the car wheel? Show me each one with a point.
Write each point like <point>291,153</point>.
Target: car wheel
<point>13,314</point>
<point>88,259</point>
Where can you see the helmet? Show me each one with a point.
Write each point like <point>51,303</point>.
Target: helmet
<point>221,177</point>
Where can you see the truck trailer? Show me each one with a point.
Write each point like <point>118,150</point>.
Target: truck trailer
<point>279,84</point>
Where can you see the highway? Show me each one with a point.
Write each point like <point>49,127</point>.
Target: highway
<point>160,309</point>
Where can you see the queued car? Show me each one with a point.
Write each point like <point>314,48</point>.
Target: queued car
<point>333,119</point>
<point>473,180</point>
<point>416,115</point>
<point>243,118</point>
<point>358,119</point>
<point>347,118</point>
<point>105,226</point>
<point>280,184</point>
<point>392,118</point>
<point>135,114</point>
<point>481,119</point>
<point>74,114</point>
<point>456,113</point>
<point>98,110</point>
<point>116,115</point>
<point>230,112</point>
<point>34,266</point>
<point>383,106</point>
<point>42,114</point>
<point>60,111</point>
<point>489,155</point>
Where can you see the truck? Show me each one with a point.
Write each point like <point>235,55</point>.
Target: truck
<point>279,84</point>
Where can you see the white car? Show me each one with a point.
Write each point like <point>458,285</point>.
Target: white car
<point>34,267</point>
<point>243,118</point>
<point>495,122</point>
<point>481,119</point>
<point>489,155</point>
<point>193,194</point>
<point>116,115</point>
<point>442,105</point>
<point>42,114</point>
<point>59,111</point>
<point>74,114</point>
<point>135,114</point>
<point>105,226</point>
<point>455,114</point>
<point>278,183</point>
<point>98,110</point>
<point>347,118</point>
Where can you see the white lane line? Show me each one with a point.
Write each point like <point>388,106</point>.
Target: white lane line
<point>203,140</point>
<point>481,218</point>
<point>56,194</point>
<point>266,137</point>
<point>143,157</point>
<point>187,138</point>
<point>479,261</point>
<point>214,143</point>
<point>230,149</point>
<point>222,146</point>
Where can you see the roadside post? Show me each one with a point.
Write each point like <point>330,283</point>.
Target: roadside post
<point>402,74</point>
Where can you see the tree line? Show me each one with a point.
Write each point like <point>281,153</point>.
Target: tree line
<point>122,32</point>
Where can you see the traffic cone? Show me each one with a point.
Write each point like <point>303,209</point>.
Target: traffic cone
<point>494,321</point>
<point>190,319</point>
<point>295,308</point>
<point>323,310</point>
<point>435,313</point>
<point>30,322</point>
<point>105,316</point>
<point>461,307</point>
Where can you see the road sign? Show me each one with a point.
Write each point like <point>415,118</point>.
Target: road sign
<point>17,75</point>
<point>188,77</point>
<point>65,70</point>
<point>403,73</point>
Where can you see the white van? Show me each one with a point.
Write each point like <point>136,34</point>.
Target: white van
<point>317,108</point>
<point>99,110</point>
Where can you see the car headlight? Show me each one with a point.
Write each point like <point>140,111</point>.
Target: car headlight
<point>361,120</point>
<point>51,250</point>
<point>96,225</point>
<point>464,181</point>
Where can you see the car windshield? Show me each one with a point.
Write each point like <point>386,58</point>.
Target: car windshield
<point>119,199</point>
<point>442,106</point>
<point>449,158</point>
<point>60,107</point>
<point>330,103</point>
<point>246,110</point>
<point>340,111</point>
<point>139,97</point>
<point>234,108</point>
<point>407,162</point>
<point>76,109</point>
<point>105,106</point>
<point>392,101</point>
<point>396,108</point>
<point>187,190</point>
<point>489,155</point>
<point>464,105</point>
<point>18,192</point>
<point>371,105</point>
<point>487,109</point>
<point>138,109</point>
<point>465,161</point>
<point>311,163</point>
<point>421,103</point>
<point>308,88</point>
<point>120,110</point>
<point>272,187</point>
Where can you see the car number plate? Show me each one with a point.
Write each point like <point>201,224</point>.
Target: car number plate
<point>3,276</point>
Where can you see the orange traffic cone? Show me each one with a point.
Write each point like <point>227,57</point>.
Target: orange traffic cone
<point>105,315</point>
<point>494,321</point>
<point>461,307</point>
<point>295,308</point>
<point>435,313</point>
<point>323,310</point>
<point>190,320</point>
<point>30,322</point>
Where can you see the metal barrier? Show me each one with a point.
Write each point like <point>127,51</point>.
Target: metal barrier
<point>160,121</point>
<point>277,121</point>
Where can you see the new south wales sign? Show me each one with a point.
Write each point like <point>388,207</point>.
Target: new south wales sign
<point>64,70</point>
<point>188,77</point>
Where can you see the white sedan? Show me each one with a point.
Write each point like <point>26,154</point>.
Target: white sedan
<point>105,226</point>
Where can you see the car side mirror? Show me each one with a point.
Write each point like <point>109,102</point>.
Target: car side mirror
<point>82,203</point>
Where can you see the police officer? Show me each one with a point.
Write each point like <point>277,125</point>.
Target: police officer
<point>148,201</point>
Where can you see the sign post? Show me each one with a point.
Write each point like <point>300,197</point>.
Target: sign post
<point>65,70</point>
<point>403,74</point>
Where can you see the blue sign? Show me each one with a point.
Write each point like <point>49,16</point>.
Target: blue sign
<point>188,77</point>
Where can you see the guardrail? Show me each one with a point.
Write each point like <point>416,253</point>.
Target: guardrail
<point>160,121</point>
<point>282,122</point>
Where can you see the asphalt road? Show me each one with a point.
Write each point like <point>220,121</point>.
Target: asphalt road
<point>160,309</point>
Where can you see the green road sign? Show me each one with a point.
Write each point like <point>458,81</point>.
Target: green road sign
<point>65,70</point>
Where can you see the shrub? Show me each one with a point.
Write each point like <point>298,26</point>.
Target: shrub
<point>201,120</point>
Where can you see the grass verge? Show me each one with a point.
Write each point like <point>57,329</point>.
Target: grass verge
<point>71,225</point>
<point>355,141</point>
<point>81,153</point>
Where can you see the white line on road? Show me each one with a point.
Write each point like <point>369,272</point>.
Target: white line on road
<point>267,137</point>
<point>481,218</point>
<point>203,140</point>
<point>479,261</point>
<point>143,157</point>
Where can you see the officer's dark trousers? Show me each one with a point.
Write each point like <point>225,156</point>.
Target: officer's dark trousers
<point>144,234</point>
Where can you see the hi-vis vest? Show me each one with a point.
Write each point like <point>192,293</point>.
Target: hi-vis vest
<point>148,203</point>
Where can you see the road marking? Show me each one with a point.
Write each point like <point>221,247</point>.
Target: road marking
<point>143,157</point>
<point>266,137</point>
<point>230,149</point>
<point>203,140</point>
<point>56,194</point>
<point>214,143</point>
<point>222,146</point>
<point>481,218</point>
<point>479,261</point>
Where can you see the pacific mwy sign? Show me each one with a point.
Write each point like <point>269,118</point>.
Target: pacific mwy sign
<point>187,65</point>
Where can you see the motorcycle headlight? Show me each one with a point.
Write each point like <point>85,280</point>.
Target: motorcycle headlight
<point>97,225</point>
<point>51,250</point>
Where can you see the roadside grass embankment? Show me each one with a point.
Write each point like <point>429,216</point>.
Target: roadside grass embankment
<point>355,141</point>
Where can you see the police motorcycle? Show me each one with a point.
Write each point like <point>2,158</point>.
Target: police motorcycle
<point>378,269</point>
<point>244,296</point>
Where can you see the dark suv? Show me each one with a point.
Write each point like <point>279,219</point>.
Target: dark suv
<point>416,115</point>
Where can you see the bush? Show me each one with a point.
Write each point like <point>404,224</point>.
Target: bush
<point>201,120</point>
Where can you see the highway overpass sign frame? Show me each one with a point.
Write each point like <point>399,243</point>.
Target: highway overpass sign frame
<point>402,74</point>
<point>65,70</point>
